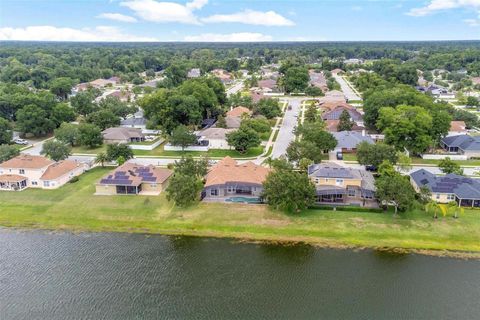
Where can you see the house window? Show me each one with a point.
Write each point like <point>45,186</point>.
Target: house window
<point>21,171</point>
<point>339,182</point>
<point>34,183</point>
<point>214,192</point>
<point>451,197</point>
<point>46,183</point>
<point>326,179</point>
<point>351,192</point>
<point>317,180</point>
<point>230,189</point>
<point>437,196</point>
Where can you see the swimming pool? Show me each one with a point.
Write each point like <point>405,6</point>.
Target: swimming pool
<point>255,200</point>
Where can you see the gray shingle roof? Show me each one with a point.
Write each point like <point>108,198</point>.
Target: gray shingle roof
<point>337,112</point>
<point>350,139</point>
<point>335,171</point>
<point>463,141</point>
<point>462,187</point>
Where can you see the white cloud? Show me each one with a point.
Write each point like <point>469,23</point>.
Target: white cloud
<point>157,11</point>
<point>440,5</point>
<point>51,33</point>
<point>117,17</point>
<point>269,18</point>
<point>473,22</point>
<point>231,37</point>
<point>357,8</point>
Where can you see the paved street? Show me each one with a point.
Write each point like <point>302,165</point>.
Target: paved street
<point>347,91</point>
<point>285,134</point>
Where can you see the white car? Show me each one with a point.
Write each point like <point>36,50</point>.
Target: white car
<point>20,141</point>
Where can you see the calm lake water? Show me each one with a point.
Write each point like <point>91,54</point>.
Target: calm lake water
<point>121,276</point>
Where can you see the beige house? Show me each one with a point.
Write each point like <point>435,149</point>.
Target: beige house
<point>28,171</point>
<point>122,135</point>
<point>335,184</point>
<point>134,179</point>
<point>228,178</point>
<point>215,138</point>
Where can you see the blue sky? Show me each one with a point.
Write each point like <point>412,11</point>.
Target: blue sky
<point>233,20</point>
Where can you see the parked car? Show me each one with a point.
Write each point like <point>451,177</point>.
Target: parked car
<point>371,168</point>
<point>20,141</point>
<point>339,155</point>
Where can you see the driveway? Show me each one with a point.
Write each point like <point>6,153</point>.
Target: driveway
<point>36,147</point>
<point>347,91</point>
<point>289,123</point>
<point>235,88</point>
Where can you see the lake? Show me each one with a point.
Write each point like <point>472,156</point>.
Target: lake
<point>130,276</point>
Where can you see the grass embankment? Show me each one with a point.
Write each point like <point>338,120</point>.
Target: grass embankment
<point>74,207</point>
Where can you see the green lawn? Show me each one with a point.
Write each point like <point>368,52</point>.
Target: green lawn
<point>212,153</point>
<point>87,150</point>
<point>74,207</point>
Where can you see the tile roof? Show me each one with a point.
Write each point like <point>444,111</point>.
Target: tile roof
<point>457,126</point>
<point>268,83</point>
<point>238,111</point>
<point>462,187</point>
<point>133,174</point>
<point>463,142</point>
<point>11,178</point>
<point>27,161</point>
<point>350,139</point>
<point>59,169</point>
<point>228,170</point>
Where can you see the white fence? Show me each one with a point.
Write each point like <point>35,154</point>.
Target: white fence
<point>169,147</point>
<point>443,156</point>
<point>148,147</point>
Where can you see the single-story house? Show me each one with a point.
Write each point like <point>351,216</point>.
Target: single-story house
<point>123,96</point>
<point>317,79</point>
<point>462,144</point>
<point>32,171</point>
<point>347,141</point>
<point>342,185</point>
<point>122,135</point>
<point>136,121</point>
<point>229,178</point>
<point>215,138</point>
<point>101,83</point>
<point>132,178</point>
<point>335,114</point>
<point>457,128</point>
<point>268,84</point>
<point>234,116</point>
<point>451,187</point>
<point>223,75</point>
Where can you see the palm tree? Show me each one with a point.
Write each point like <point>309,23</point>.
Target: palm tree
<point>453,206</point>
<point>432,206</point>
<point>101,158</point>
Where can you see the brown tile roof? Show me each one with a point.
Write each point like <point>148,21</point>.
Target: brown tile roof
<point>238,111</point>
<point>228,170</point>
<point>11,178</point>
<point>457,126</point>
<point>133,174</point>
<point>59,169</point>
<point>26,161</point>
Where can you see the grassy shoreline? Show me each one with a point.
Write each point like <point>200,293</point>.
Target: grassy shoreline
<point>75,208</point>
